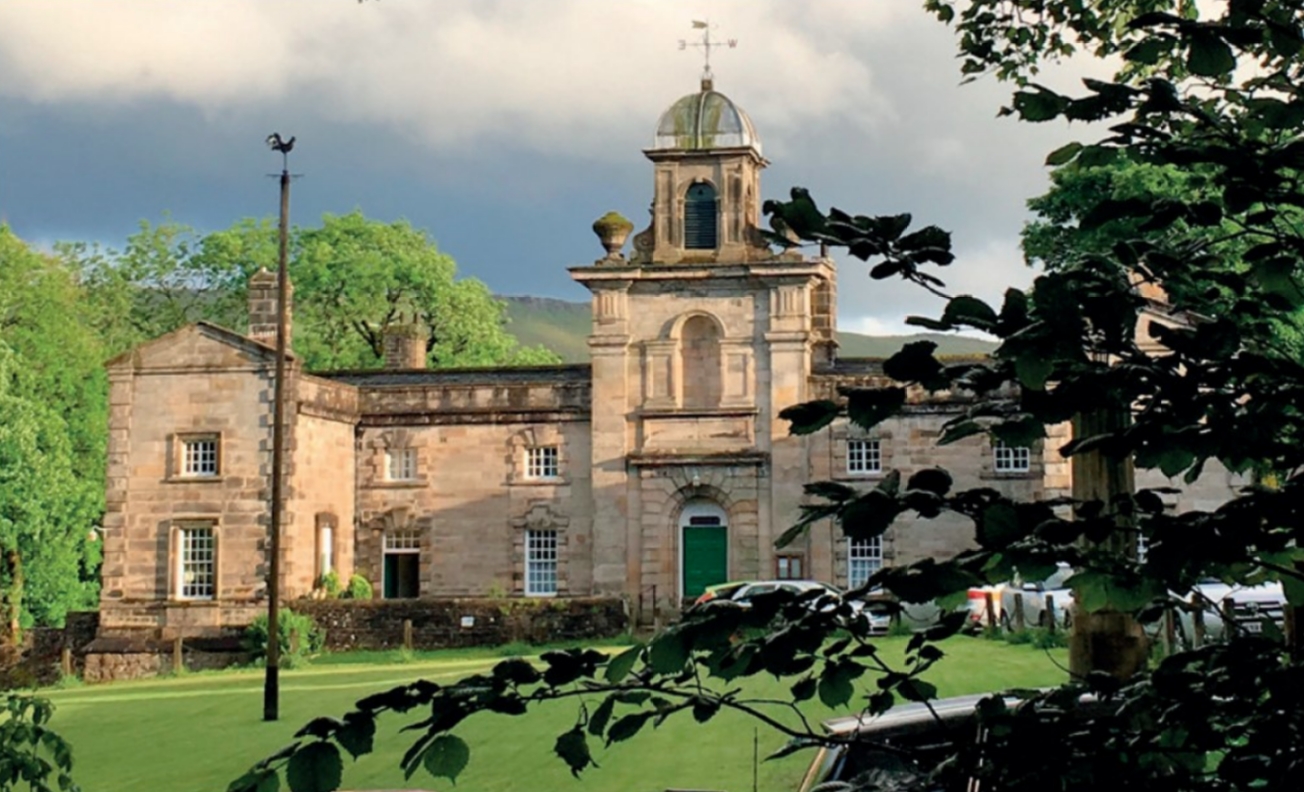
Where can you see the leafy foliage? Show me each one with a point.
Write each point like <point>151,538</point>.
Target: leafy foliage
<point>353,279</point>
<point>32,756</point>
<point>359,587</point>
<point>301,637</point>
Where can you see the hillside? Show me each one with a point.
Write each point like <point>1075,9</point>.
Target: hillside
<point>563,327</point>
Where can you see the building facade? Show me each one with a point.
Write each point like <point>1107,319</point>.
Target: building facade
<point>662,466</point>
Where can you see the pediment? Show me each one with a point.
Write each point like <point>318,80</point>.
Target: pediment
<point>196,346</point>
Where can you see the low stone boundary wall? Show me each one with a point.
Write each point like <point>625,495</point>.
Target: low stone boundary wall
<point>449,623</point>
<point>115,658</point>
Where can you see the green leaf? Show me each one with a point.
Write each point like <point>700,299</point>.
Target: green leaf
<point>1038,105</point>
<point>810,417</point>
<point>869,408</point>
<point>1294,590</point>
<point>914,689</point>
<point>804,689</point>
<point>573,748</point>
<point>1064,154</point>
<point>704,709</point>
<point>934,480</point>
<point>668,652</point>
<point>627,726</point>
<point>1033,370</point>
<point>999,526</point>
<point>915,363</point>
<point>1208,55</point>
<point>268,782</point>
<point>601,716</point>
<point>835,688</point>
<point>1147,52</point>
<point>518,671</point>
<point>357,734</point>
<point>446,757</point>
<point>619,666</point>
<point>316,767</point>
<point>967,309</point>
<point>958,430</point>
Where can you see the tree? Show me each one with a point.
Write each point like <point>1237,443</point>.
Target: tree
<point>1222,717</point>
<point>353,279</point>
<point>53,393</point>
<point>46,511</point>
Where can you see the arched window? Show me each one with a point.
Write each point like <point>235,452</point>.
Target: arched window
<point>700,217</point>
<point>700,352</point>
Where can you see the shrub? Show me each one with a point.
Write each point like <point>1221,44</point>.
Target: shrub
<point>359,588</point>
<point>330,583</point>
<point>311,637</point>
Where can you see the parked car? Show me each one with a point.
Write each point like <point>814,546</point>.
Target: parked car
<point>879,618</point>
<point>978,603</point>
<point>898,749</point>
<point>720,591</point>
<point>1034,593</point>
<point>1251,607</point>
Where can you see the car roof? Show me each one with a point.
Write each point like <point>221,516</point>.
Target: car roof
<point>906,717</point>
<point>797,583</point>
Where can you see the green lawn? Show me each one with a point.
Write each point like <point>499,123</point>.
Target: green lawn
<point>196,733</point>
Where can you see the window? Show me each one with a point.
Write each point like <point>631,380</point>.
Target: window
<point>1012,459</point>
<point>788,567</point>
<point>199,455</point>
<point>700,217</point>
<point>401,568</point>
<point>864,456</point>
<point>401,464</point>
<point>542,462</point>
<point>864,558</point>
<point>196,562</point>
<point>325,546</point>
<point>540,563</point>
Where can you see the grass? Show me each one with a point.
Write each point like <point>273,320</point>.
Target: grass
<point>197,732</point>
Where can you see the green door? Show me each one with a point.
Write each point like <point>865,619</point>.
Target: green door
<point>706,557</point>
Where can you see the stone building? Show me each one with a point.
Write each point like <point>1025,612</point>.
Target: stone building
<point>662,466</point>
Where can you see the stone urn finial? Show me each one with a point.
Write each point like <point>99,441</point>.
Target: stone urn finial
<point>613,229</point>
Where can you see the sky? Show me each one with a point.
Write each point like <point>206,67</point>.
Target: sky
<point>502,127</point>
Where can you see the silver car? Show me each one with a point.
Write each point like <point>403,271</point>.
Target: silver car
<point>1034,593</point>
<point>879,620</point>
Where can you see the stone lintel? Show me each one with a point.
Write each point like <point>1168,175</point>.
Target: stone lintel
<point>756,458</point>
<point>460,417</point>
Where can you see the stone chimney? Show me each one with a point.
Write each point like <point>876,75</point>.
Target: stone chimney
<point>404,346</point>
<point>262,309</point>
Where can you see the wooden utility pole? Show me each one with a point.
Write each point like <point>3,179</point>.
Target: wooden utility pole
<point>272,681</point>
<point>1105,640</point>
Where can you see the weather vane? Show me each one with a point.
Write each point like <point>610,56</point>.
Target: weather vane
<point>706,44</point>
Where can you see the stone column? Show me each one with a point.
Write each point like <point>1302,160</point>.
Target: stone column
<point>615,545</point>
<point>788,341</point>
<point>262,309</point>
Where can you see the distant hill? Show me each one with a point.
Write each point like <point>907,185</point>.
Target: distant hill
<point>563,327</point>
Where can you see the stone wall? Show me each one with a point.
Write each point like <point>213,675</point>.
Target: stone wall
<point>448,623</point>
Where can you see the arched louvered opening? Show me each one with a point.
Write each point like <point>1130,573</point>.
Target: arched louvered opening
<point>700,225</point>
<point>700,350</point>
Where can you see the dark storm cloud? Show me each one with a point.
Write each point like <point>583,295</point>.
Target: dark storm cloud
<point>502,128</point>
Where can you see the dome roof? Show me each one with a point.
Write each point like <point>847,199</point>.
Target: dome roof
<point>705,120</point>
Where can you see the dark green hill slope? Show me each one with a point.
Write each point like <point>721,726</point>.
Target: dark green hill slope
<point>563,327</point>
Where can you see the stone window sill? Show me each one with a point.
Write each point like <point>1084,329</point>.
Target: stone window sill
<point>415,484</point>
<point>1020,475</point>
<point>194,480</point>
<point>540,482</point>
<point>176,602</point>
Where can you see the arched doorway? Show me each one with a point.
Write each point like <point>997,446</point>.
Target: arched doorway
<point>704,547</point>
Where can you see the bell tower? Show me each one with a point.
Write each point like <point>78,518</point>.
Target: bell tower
<point>700,339</point>
<point>706,184</point>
